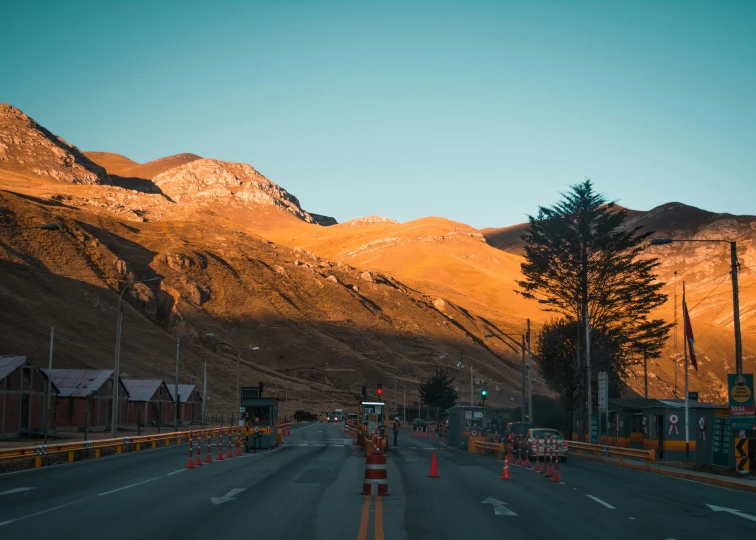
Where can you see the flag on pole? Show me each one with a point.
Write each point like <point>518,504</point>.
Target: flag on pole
<point>689,333</point>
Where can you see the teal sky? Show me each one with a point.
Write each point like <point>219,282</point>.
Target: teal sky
<point>475,111</point>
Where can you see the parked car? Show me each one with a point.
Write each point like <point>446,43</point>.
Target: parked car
<point>537,443</point>
<point>514,432</point>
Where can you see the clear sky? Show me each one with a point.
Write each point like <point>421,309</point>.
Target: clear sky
<point>475,111</point>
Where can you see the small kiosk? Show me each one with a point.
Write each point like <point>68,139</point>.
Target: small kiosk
<point>259,417</point>
<point>372,416</point>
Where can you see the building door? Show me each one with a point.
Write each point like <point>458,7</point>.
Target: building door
<point>660,435</point>
<point>25,411</point>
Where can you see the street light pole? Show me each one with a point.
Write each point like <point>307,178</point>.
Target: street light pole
<point>530,382</point>
<point>176,392</point>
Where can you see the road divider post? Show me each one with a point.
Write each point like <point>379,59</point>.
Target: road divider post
<point>505,471</point>
<point>219,457</point>
<point>198,460</point>
<point>434,467</point>
<point>208,457</point>
<point>229,454</point>
<point>190,463</point>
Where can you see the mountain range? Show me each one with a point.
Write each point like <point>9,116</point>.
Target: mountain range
<point>331,306</point>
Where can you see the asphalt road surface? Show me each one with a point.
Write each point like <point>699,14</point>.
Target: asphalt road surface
<point>311,488</point>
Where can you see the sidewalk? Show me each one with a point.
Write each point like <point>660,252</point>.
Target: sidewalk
<point>744,483</point>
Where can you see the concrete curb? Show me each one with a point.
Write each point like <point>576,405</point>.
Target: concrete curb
<point>721,482</point>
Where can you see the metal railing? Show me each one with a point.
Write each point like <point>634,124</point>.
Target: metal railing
<point>120,444</point>
<point>600,450</point>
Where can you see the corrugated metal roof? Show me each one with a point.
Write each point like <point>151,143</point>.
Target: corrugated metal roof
<point>78,382</point>
<point>142,389</point>
<point>643,403</point>
<point>185,390</point>
<point>9,364</point>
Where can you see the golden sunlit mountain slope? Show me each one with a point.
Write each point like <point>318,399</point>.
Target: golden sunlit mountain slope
<point>122,166</point>
<point>324,327</point>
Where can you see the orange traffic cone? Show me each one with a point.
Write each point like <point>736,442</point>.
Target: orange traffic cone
<point>238,442</point>
<point>556,477</point>
<point>190,463</point>
<point>198,459</point>
<point>537,467</point>
<point>208,457</point>
<point>219,457</point>
<point>549,470</point>
<point>434,467</point>
<point>519,455</point>
<point>526,463</point>
<point>505,471</point>
<point>229,454</point>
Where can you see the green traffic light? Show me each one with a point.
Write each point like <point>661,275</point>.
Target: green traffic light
<point>484,392</point>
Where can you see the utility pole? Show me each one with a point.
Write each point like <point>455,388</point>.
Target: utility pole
<point>530,382</point>
<point>589,404</point>
<point>49,383</point>
<point>471,386</point>
<point>645,372</point>
<point>685,350</point>
<point>176,389</point>
<point>736,310</point>
<point>405,404</point>
<point>116,373</point>
<point>204,394</point>
<point>522,401</point>
<point>675,340</point>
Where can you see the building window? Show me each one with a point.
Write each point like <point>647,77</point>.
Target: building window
<point>26,382</point>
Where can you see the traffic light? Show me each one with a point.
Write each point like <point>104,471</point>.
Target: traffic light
<point>379,390</point>
<point>364,391</point>
<point>483,394</point>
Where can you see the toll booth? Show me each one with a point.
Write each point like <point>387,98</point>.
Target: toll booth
<point>258,417</point>
<point>372,415</point>
<point>464,422</point>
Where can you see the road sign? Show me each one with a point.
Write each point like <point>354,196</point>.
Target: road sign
<point>720,441</point>
<point>603,391</point>
<point>742,410</point>
<point>478,414</point>
<point>741,456</point>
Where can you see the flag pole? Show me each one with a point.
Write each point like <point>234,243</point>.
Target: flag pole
<point>685,348</point>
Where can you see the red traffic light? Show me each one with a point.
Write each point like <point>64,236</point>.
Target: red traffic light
<point>379,390</point>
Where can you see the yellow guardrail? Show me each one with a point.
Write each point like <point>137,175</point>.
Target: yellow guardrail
<point>485,446</point>
<point>38,452</point>
<point>600,450</point>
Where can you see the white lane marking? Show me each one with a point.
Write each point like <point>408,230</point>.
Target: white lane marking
<point>230,496</point>
<point>731,511</point>
<point>127,487</point>
<point>609,506</point>
<point>499,507</point>
<point>40,512</point>
<point>16,490</point>
<point>175,472</point>
<point>632,518</point>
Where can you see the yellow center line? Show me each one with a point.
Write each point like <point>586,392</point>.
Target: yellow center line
<point>378,519</point>
<point>365,519</point>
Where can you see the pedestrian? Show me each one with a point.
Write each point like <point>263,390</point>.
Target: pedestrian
<point>396,431</point>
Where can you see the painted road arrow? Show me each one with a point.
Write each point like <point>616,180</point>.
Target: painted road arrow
<point>16,490</point>
<point>731,511</point>
<point>230,496</point>
<point>499,508</point>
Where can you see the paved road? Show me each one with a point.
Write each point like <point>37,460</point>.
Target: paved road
<point>310,488</point>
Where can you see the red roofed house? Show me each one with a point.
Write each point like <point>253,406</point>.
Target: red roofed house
<point>86,399</point>
<point>23,392</point>
<point>149,402</point>
<point>190,411</point>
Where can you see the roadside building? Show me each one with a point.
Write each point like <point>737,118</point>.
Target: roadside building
<point>85,399</point>
<point>150,402</point>
<point>23,392</point>
<point>190,403</point>
<point>659,425</point>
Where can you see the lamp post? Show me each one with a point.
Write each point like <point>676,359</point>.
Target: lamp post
<point>527,390</point>
<point>460,365</point>
<point>735,296</point>
<point>117,370</point>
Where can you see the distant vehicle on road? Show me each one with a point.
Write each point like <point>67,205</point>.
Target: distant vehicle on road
<point>331,417</point>
<point>419,424</point>
<point>536,440</point>
<point>338,416</point>
<point>514,432</point>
